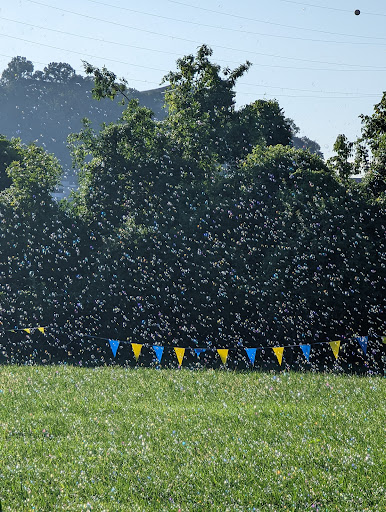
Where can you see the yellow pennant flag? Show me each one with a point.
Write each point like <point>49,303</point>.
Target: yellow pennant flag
<point>41,329</point>
<point>27,330</point>
<point>136,349</point>
<point>223,353</point>
<point>180,352</point>
<point>335,347</point>
<point>279,353</point>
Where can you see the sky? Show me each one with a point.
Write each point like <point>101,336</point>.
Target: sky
<point>324,64</point>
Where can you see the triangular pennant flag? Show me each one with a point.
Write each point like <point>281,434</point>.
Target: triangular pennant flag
<point>362,340</point>
<point>180,352</point>
<point>223,353</point>
<point>383,339</point>
<point>41,329</point>
<point>158,352</point>
<point>27,330</point>
<point>114,344</point>
<point>136,349</point>
<point>251,353</point>
<point>279,353</point>
<point>198,351</point>
<point>335,347</point>
<point>306,351</point>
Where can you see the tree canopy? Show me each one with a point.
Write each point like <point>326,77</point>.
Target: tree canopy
<point>208,225</point>
<point>367,155</point>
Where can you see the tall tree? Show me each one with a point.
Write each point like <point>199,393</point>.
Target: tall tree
<point>341,163</point>
<point>371,150</point>
<point>201,105</point>
<point>59,72</point>
<point>18,69</point>
<point>259,123</point>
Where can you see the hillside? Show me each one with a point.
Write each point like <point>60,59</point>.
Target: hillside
<point>46,106</point>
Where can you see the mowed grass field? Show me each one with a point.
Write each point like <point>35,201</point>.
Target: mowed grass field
<point>116,439</point>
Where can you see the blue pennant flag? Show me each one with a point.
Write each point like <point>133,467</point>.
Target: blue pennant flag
<point>251,353</point>
<point>114,344</point>
<point>198,351</point>
<point>362,340</point>
<point>306,351</point>
<point>158,352</point>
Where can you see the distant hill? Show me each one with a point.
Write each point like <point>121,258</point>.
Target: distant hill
<point>46,106</point>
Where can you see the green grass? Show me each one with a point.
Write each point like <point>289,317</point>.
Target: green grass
<point>115,439</point>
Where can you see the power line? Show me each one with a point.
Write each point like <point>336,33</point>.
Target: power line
<point>271,22</point>
<point>362,94</point>
<point>232,29</point>
<point>196,42</point>
<point>344,95</point>
<point>87,37</point>
<point>81,53</point>
<point>188,40</point>
<point>331,8</point>
<point>280,95</point>
<point>158,69</point>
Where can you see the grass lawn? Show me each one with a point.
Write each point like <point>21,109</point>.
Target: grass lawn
<point>116,439</point>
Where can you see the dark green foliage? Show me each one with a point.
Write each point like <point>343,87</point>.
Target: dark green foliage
<point>341,163</point>
<point>369,152</point>
<point>374,137</point>
<point>8,154</point>
<point>34,175</point>
<point>201,108</point>
<point>106,84</point>
<point>207,227</point>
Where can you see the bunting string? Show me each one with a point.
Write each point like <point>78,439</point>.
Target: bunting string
<point>222,352</point>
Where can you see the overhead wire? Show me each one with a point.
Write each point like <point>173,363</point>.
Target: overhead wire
<point>209,26</point>
<point>331,8</point>
<point>160,16</point>
<point>218,46</point>
<point>82,36</point>
<point>238,16</point>
<point>158,69</point>
<point>308,90</point>
<point>345,95</point>
<point>81,53</point>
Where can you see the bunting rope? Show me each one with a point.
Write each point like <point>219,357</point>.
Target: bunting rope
<point>222,352</point>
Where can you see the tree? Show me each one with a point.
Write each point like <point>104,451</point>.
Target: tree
<point>59,72</point>
<point>34,176</point>
<point>188,250</point>
<point>341,163</point>
<point>8,154</point>
<point>371,150</point>
<point>367,155</point>
<point>106,84</point>
<point>259,123</point>
<point>319,243</point>
<point>18,69</point>
<point>123,176</point>
<point>306,143</point>
<point>201,106</point>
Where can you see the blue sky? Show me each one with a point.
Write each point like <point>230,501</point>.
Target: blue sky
<point>324,64</point>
